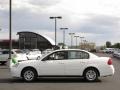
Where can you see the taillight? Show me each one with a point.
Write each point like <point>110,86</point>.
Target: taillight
<point>109,61</point>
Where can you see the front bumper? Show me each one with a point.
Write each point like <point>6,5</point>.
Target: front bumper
<point>15,72</point>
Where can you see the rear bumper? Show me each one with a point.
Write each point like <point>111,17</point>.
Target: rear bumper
<point>108,71</point>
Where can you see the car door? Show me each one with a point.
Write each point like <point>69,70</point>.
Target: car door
<point>76,63</point>
<point>53,64</point>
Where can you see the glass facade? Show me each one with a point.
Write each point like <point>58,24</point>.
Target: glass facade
<point>31,40</point>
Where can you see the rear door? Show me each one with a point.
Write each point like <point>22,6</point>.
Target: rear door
<point>76,62</point>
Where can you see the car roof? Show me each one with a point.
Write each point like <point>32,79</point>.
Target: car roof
<point>64,50</point>
<point>71,50</point>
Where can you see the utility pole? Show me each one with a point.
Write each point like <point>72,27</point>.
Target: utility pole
<point>64,35</point>
<point>10,28</point>
<point>71,34</point>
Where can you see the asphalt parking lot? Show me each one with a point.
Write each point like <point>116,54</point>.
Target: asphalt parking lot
<point>105,83</point>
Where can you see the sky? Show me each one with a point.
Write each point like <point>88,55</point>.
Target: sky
<point>96,20</point>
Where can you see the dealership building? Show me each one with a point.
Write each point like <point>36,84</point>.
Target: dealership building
<point>29,40</point>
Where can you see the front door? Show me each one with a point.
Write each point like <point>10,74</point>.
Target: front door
<point>53,64</point>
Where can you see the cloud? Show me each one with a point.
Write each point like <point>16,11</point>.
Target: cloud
<point>45,3</point>
<point>95,18</point>
<point>99,24</point>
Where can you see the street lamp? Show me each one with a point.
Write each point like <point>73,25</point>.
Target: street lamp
<point>10,28</point>
<point>71,34</point>
<point>64,35</point>
<point>59,17</point>
<point>76,40</point>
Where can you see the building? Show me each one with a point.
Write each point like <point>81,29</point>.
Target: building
<point>4,44</point>
<point>29,40</point>
<point>88,46</point>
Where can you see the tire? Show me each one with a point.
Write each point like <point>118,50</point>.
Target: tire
<point>91,75</point>
<point>29,74</point>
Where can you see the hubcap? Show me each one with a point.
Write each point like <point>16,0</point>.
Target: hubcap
<point>91,75</point>
<point>29,75</point>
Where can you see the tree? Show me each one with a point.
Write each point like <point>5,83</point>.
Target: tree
<point>116,45</point>
<point>108,44</point>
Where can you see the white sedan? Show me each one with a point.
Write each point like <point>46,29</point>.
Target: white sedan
<point>33,55</point>
<point>67,62</point>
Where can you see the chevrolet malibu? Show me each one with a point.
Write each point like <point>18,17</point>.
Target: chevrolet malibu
<point>67,62</point>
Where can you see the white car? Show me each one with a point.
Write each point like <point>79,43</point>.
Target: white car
<point>109,50</point>
<point>18,54</point>
<point>67,62</point>
<point>33,55</point>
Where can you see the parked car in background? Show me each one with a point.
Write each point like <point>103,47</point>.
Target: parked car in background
<point>66,62</point>
<point>47,51</point>
<point>108,50</point>
<point>116,54</point>
<point>33,55</point>
<point>18,54</point>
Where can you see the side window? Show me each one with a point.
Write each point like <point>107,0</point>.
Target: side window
<point>78,55</point>
<point>60,55</point>
<point>5,52</point>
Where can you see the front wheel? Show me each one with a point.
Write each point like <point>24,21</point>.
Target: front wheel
<point>29,75</point>
<point>91,75</point>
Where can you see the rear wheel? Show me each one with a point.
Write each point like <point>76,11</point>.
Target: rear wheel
<point>91,75</point>
<point>29,74</point>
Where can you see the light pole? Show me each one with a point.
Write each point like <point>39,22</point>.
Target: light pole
<point>81,41</point>
<point>10,28</point>
<point>71,34</point>
<point>64,35</point>
<point>76,40</point>
<point>59,17</point>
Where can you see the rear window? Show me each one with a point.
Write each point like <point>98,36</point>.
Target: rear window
<point>6,52</point>
<point>78,55</point>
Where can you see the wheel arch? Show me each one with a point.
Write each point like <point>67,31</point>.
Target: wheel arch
<point>90,68</point>
<point>28,67</point>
